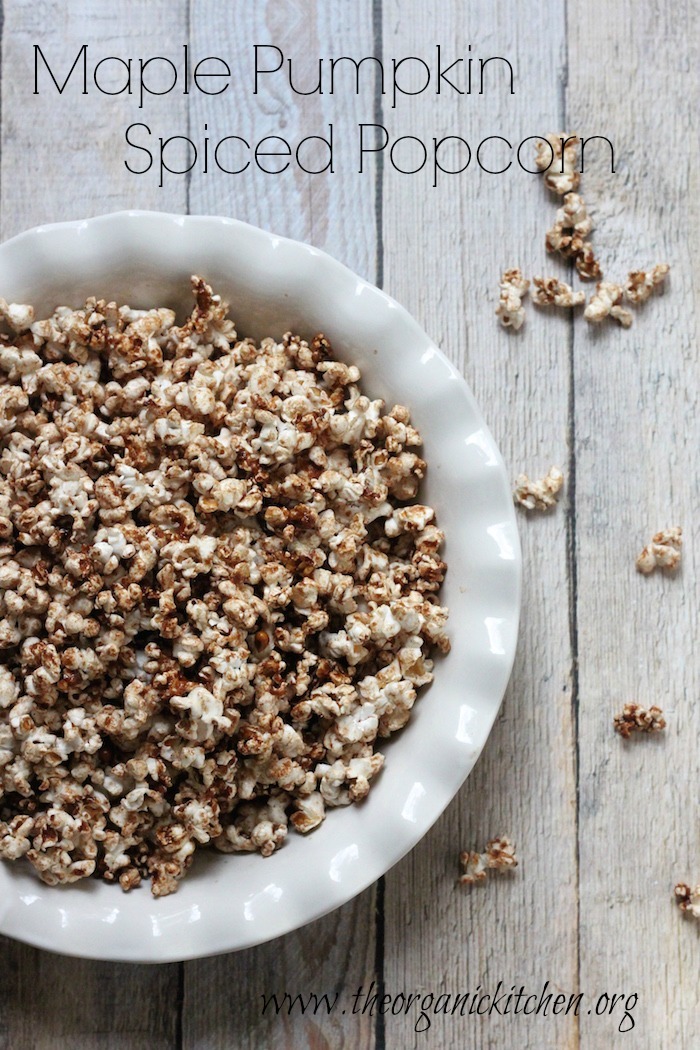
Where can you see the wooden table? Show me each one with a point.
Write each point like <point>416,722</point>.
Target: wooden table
<point>603,828</point>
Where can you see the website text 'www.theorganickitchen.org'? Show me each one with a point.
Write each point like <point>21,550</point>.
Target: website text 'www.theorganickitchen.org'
<point>423,1008</point>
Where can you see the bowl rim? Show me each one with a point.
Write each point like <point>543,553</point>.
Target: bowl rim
<point>166,950</point>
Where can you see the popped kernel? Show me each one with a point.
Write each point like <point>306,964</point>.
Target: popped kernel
<point>499,855</point>
<point>688,899</point>
<point>549,291</point>
<point>641,283</point>
<point>605,302</point>
<point>538,495</point>
<point>664,551</point>
<point>569,236</point>
<point>587,265</point>
<point>555,156</point>
<point>513,288</point>
<point>637,719</point>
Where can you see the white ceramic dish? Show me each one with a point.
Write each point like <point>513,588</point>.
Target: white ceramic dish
<point>274,284</point>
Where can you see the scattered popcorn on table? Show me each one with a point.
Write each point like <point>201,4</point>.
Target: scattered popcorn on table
<point>641,283</point>
<point>216,589</point>
<point>605,302</point>
<point>510,309</point>
<point>636,719</point>
<point>664,551</point>
<point>498,856</point>
<point>551,292</point>
<point>556,157</point>
<point>687,899</point>
<point>538,495</point>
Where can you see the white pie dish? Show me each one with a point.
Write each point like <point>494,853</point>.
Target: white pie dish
<point>274,284</point>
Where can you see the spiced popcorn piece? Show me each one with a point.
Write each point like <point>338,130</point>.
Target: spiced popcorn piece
<point>551,292</point>
<point>587,265</point>
<point>499,855</point>
<point>538,495</point>
<point>569,236</point>
<point>571,227</point>
<point>556,157</point>
<point>687,899</point>
<point>664,551</point>
<point>512,289</point>
<point>217,590</point>
<point>641,283</point>
<point>636,719</point>
<point>606,302</point>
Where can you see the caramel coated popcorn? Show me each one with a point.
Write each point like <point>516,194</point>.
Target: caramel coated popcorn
<point>556,157</point>
<point>664,551</point>
<point>687,899</point>
<point>641,283</point>
<point>499,855</point>
<point>512,289</point>
<point>571,227</point>
<point>606,302</point>
<point>569,236</point>
<point>217,590</point>
<point>549,291</point>
<point>538,495</point>
<point>636,719</point>
<point>587,265</point>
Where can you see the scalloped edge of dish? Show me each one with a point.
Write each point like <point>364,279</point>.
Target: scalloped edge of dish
<point>231,903</point>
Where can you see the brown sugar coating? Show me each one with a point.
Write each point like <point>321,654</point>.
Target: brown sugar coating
<point>216,588</point>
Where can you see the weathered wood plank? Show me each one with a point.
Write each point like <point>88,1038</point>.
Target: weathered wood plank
<point>444,265</point>
<point>224,996</point>
<point>334,211</point>
<point>73,144</point>
<point>637,436</point>
<point>61,159</point>
<point>49,1001</point>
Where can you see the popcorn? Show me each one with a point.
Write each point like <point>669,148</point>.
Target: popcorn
<point>408,519</point>
<point>15,837</point>
<point>605,302</point>
<point>572,216</point>
<point>552,292</point>
<point>587,265</point>
<point>664,551</point>
<point>217,591</point>
<point>17,317</point>
<point>309,812</point>
<point>538,495</point>
<point>499,855</point>
<point>641,283</point>
<point>63,847</point>
<point>556,157</point>
<point>687,899</point>
<point>636,719</point>
<point>512,289</point>
<point>204,715</point>
<point>569,234</point>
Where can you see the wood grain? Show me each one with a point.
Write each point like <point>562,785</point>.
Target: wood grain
<point>335,211</point>
<point>49,1001</point>
<point>637,436</point>
<point>445,269</point>
<point>73,144</point>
